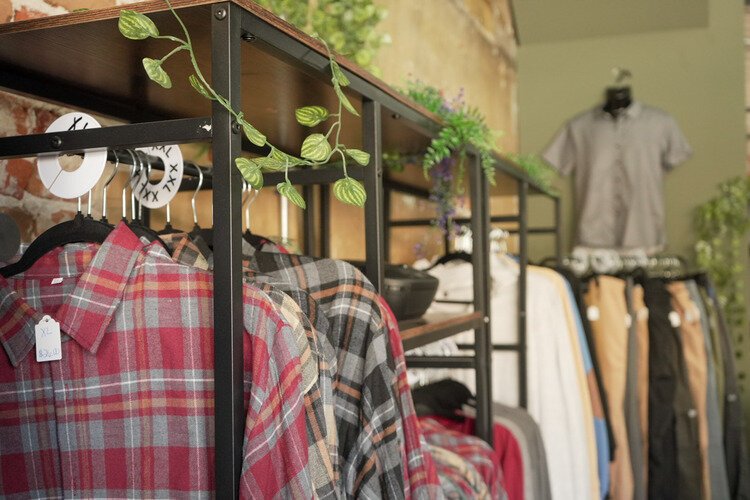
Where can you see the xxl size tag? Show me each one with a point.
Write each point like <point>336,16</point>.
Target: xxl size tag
<point>48,343</point>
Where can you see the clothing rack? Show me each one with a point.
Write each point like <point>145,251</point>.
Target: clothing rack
<point>524,187</point>
<point>41,58</point>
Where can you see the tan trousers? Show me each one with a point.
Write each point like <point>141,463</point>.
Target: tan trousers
<point>606,303</point>
<point>696,362</point>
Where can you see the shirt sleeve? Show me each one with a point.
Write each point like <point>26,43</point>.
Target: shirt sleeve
<point>561,151</point>
<point>676,149</point>
<point>275,455</point>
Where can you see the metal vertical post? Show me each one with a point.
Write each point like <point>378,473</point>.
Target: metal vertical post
<point>374,228</point>
<point>558,231</point>
<point>523,224</point>
<point>309,230</point>
<point>227,200</point>
<point>480,227</point>
<point>325,221</point>
<point>387,197</point>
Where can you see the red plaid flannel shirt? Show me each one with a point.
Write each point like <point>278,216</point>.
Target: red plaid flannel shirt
<point>421,478</point>
<point>477,452</point>
<point>128,411</point>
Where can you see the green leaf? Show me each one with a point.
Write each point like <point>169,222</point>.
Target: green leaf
<point>284,158</point>
<point>338,75</point>
<point>200,88</point>
<point>252,133</point>
<point>136,26</point>
<point>156,72</point>
<point>310,116</point>
<point>269,163</point>
<point>350,191</point>
<point>359,156</point>
<point>288,191</point>
<point>250,171</point>
<point>315,147</point>
<point>344,100</point>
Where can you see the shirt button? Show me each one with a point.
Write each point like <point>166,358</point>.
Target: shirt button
<point>692,413</point>
<point>732,397</point>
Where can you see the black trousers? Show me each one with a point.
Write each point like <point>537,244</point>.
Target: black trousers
<point>674,460</point>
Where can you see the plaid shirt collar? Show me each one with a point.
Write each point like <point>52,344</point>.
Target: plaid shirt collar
<point>85,313</point>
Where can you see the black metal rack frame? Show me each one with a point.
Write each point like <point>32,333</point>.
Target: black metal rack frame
<point>230,24</point>
<point>524,188</point>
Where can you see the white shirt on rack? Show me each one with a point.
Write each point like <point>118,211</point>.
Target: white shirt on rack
<point>554,397</point>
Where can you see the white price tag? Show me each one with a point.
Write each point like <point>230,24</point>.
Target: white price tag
<point>48,343</point>
<point>592,313</point>
<point>674,319</point>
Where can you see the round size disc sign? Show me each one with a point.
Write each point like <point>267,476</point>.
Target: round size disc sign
<point>80,181</point>
<point>159,194</point>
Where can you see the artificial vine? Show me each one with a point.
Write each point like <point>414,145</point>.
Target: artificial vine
<point>316,149</point>
<point>722,225</point>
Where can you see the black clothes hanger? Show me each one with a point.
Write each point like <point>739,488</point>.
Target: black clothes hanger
<point>79,230</point>
<point>450,257</point>
<point>617,99</point>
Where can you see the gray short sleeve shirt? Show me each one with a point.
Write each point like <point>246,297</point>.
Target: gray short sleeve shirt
<point>619,166</point>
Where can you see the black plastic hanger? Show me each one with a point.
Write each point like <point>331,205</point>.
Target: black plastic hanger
<point>450,257</point>
<point>79,230</point>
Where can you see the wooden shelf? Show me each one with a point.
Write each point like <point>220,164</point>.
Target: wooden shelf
<point>434,327</point>
<point>80,60</point>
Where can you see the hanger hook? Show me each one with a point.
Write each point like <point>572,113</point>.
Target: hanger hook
<point>106,184</point>
<point>192,201</point>
<point>125,188</point>
<point>143,157</point>
<point>621,74</point>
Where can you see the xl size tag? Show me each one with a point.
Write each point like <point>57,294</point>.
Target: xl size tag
<point>48,343</point>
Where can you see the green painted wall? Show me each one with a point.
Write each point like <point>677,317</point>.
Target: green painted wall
<point>697,75</point>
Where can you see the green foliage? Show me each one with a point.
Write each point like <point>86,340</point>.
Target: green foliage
<point>465,127</point>
<point>286,189</point>
<point>309,116</point>
<point>156,72</point>
<point>537,169</point>
<point>136,26</point>
<point>722,225</point>
<point>350,191</point>
<point>316,148</point>
<point>347,25</point>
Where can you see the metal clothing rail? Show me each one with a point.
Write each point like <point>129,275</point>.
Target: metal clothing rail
<point>523,231</point>
<point>231,32</point>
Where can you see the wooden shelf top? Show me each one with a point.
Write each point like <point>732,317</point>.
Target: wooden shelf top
<point>82,61</point>
<point>434,327</point>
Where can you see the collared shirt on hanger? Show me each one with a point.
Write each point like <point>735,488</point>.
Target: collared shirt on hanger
<point>619,165</point>
<point>128,411</point>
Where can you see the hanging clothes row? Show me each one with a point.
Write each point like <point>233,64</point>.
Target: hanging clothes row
<point>630,378</point>
<point>122,405</point>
